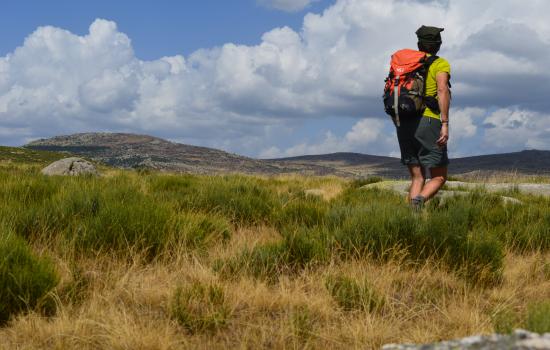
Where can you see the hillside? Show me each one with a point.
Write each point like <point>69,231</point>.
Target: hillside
<point>529,162</point>
<point>353,163</point>
<point>142,151</point>
<point>20,155</point>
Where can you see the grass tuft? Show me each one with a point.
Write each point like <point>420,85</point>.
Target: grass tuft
<point>538,317</point>
<point>200,307</point>
<point>351,295</point>
<point>25,280</point>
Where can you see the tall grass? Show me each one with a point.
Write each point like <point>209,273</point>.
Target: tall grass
<point>25,280</point>
<point>158,214</point>
<point>289,267</point>
<point>200,307</point>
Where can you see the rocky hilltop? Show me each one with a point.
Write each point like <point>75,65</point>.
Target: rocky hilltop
<point>142,151</point>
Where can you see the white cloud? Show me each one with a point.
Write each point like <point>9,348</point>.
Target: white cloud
<point>511,129</point>
<point>244,98</point>
<point>287,5</point>
<point>369,135</point>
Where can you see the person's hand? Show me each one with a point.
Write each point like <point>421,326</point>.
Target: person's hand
<point>443,135</point>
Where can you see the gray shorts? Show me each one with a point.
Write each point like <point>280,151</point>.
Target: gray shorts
<point>417,140</point>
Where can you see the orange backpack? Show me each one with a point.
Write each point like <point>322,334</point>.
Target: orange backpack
<point>404,92</point>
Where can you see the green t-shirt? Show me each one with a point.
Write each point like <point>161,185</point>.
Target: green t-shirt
<point>438,66</point>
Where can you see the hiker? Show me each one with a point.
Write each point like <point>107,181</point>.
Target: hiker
<point>417,97</point>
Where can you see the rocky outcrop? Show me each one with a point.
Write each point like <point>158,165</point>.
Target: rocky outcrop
<point>147,152</point>
<point>519,340</point>
<point>70,167</point>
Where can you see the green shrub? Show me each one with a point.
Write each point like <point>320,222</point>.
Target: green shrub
<point>125,219</point>
<point>538,317</point>
<point>25,280</point>
<point>482,260</point>
<point>305,247</point>
<point>197,230</point>
<point>454,234</point>
<point>505,321</point>
<point>301,211</point>
<point>295,252</point>
<point>244,200</point>
<point>372,229</point>
<point>267,261</point>
<point>351,295</point>
<point>200,307</point>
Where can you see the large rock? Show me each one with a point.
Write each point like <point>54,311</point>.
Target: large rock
<point>70,167</point>
<point>519,340</point>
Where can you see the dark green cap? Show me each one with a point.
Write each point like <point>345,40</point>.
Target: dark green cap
<point>429,34</point>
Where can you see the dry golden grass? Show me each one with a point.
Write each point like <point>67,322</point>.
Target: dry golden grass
<point>125,304</point>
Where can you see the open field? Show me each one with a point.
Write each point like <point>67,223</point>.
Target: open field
<point>139,260</point>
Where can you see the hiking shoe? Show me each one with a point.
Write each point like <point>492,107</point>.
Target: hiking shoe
<point>417,203</point>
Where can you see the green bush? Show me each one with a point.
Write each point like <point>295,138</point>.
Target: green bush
<point>25,280</point>
<point>297,250</point>
<point>538,317</point>
<point>372,229</point>
<point>200,307</point>
<point>301,211</point>
<point>267,261</point>
<point>197,230</point>
<point>351,295</point>
<point>505,321</point>
<point>244,200</point>
<point>125,219</point>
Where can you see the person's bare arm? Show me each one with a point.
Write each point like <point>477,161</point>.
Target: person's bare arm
<point>444,100</point>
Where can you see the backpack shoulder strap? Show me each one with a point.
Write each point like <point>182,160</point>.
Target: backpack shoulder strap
<point>429,61</point>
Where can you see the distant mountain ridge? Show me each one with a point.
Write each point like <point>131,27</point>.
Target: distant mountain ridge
<point>143,151</point>
<point>528,162</point>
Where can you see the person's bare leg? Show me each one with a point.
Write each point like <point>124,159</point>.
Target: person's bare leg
<point>439,177</point>
<point>417,180</point>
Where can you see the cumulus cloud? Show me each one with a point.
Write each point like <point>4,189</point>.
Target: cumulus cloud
<point>246,98</point>
<point>287,5</point>
<point>509,129</point>
<point>369,134</point>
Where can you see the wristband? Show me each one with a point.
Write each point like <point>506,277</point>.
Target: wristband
<point>445,122</point>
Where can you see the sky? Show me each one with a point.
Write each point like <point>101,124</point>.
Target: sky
<point>268,78</point>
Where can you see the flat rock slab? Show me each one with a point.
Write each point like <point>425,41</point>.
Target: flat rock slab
<point>70,167</point>
<point>528,188</point>
<point>402,187</point>
<point>519,340</point>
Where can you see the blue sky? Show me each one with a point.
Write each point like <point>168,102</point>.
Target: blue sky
<point>157,28</point>
<point>267,78</point>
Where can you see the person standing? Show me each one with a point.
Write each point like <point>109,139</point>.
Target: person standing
<point>423,137</point>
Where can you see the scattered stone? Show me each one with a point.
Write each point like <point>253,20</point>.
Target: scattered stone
<point>519,340</point>
<point>70,167</point>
